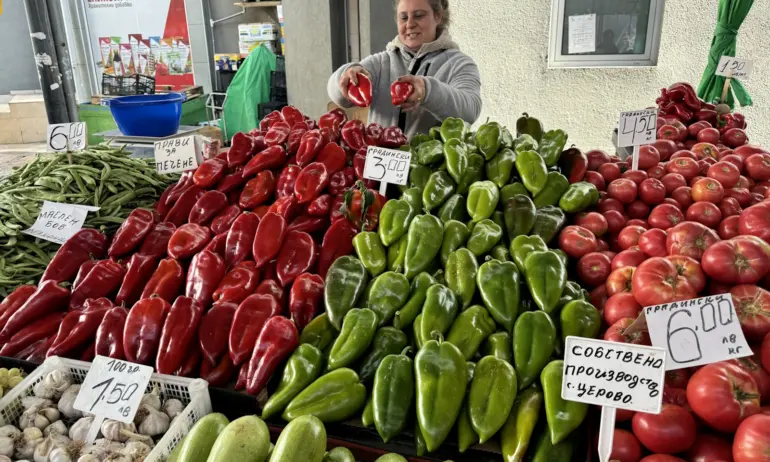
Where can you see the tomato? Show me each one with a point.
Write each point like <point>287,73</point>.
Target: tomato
<point>735,137</point>
<point>734,159</point>
<point>619,306</point>
<point>658,281</point>
<point>668,132</point>
<point>750,365</point>
<point>577,241</point>
<point>683,196</point>
<point>652,191</point>
<point>610,172</point>
<point>615,221</point>
<point>629,236</point>
<point>638,210</point>
<point>742,195</point>
<point>684,166</point>
<point>665,149</point>
<point>736,261</point>
<point>672,181</point>
<point>677,378</point>
<point>755,221</point>
<point>747,150</point>
<point>723,394</point>
<point>637,176</point>
<point>623,190</point>
<point>592,221</point>
<point>765,353</point>
<point>656,172</point>
<point>597,158</point>
<point>694,180</point>
<point>671,431</point>
<point>610,204</point>
<point>653,243</point>
<point>707,213</point>
<point>697,127</point>
<point>617,333</point>
<point>744,182</point>
<point>709,190</point>
<point>703,150</point>
<point>684,153</point>
<point>758,166</point>
<point>704,165</point>
<point>625,447</point>
<point>623,415</point>
<point>594,268</point>
<point>752,305</point>
<point>726,173</point>
<point>690,239</point>
<point>663,458</point>
<point>596,179</point>
<point>629,257</point>
<point>601,246</point>
<point>752,440</point>
<point>598,297</point>
<point>759,189</point>
<point>619,280</point>
<point>690,269</point>
<point>708,135</point>
<point>665,216</point>
<point>676,396</point>
<point>728,228</point>
<point>729,207</point>
<point>756,199</point>
<point>710,448</point>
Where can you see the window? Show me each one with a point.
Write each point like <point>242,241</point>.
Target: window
<point>605,33</point>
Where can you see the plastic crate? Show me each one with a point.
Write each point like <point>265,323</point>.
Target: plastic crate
<point>267,108</point>
<point>137,84</point>
<point>193,393</point>
<point>278,79</point>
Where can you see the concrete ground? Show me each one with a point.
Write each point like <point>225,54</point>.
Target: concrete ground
<point>15,155</point>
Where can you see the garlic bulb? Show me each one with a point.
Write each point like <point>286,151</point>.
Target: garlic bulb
<point>111,430</point>
<point>5,459</point>
<point>108,446</point>
<point>152,399</point>
<point>155,423</point>
<point>27,442</point>
<point>118,457</point>
<point>67,402</point>
<point>29,401</point>
<point>38,417</point>
<point>48,445</point>
<point>10,431</point>
<point>56,428</point>
<point>173,407</point>
<point>136,449</point>
<point>79,430</point>
<point>6,446</point>
<point>89,458</point>
<point>53,385</point>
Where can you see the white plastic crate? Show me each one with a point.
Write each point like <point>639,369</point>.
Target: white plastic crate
<point>193,393</point>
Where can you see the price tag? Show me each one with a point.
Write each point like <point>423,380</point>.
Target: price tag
<point>698,331</point>
<point>636,128</point>
<point>735,68</point>
<point>387,166</point>
<point>582,34</point>
<point>177,154</point>
<point>67,137</point>
<point>113,389</point>
<point>58,222</point>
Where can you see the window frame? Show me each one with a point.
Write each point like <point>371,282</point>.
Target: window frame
<point>557,60</point>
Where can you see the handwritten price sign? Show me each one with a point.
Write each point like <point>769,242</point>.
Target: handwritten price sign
<point>735,68</point>
<point>637,128</point>
<point>67,137</point>
<point>177,155</point>
<point>387,165</point>
<point>113,389</point>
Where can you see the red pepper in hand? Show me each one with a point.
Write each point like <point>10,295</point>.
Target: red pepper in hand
<point>181,210</point>
<point>333,157</point>
<point>77,329</point>
<point>238,284</point>
<point>292,115</point>
<point>321,206</point>
<point>188,240</point>
<point>393,138</point>
<point>225,219</point>
<point>400,92</point>
<point>14,301</point>
<point>144,325</point>
<point>219,375</point>
<point>270,158</point>
<point>81,247</point>
<point>271,287</point>
<point>269,120</point>
<point>179,331</point>
<point>207,207</point>
<point>311,181</point>
<point>109,335</point>
<point>257,190</point>
<point>361,94</point>
<point>278,339</point>
<point>218,244</point>
<point>240,238</point>
<point>269,238</point>
<point>210,172</point>
<point>298,254</point>
<point>192,363</point>
<point>333,119</point>
<point>240,149</point>
<point>140,270</point>
<point>95,304</point>
<point>373,134</point>
<point>295,137</point>
<point>204,275</point>
<point>353,134</point>
<point>166,281</point>
<point>305,298</point>
<point>278,134</point>
<point>131,233</point>
<point>337,242</point>
<point>309,147</point>
<point>156,243</point>
<point>250,318</point>
<point>83,272</point>
<point>231,182</point>
<point>341,181</point>
<point>214,331</point>
<point>40,328</point>
<point>102,281</point>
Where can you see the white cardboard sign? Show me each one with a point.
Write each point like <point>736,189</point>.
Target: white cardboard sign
<point>698,331</point>
<point>614,374</point>
<point>113,389</point>
<point>67,137</point>
<point>387,165</point>
<point>57,222</point>
<point>177,155</point>
<point>582,34</point>
<point>636,128</point>
<point>735,68</point>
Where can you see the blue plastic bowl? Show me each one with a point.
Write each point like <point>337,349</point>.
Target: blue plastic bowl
<point>148,115</point>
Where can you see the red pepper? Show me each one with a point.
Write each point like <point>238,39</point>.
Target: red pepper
<point>286,180</point>
<point>238,284</point>
<point>333,119</point>
<point>243,372</point>
<point>400,92</point>
<point>298,254</point>
<point>311,181</point>
<point>207,207</point>
<point>688,93</point>
<point>181,210</point>
<point>35,352</point>
<point>156,243</point>
<point>220,375</point>
<point>185,181</point>
<point>192,363</point>
<point>269,238</point>
<point>292,115</point>
<point>102,281</point>
<point>260,211</point>
<point>204,275</point>
<point>84,270</point>
<point>740,119</point>
<point>179,331</point>
<point>393,137</point>
<point>341,181</point>
<point>295,137</point>
<point>109,335</point>
<point>682,112</point>
<point>166,281</point>
<point>359,162</point>
<point>131,233</point>
<point>286,206</point>
<point>231,182</point>
<point>361,94</point>
<point>337,242</point>
<point>222,222</point>
<point>41,327</point>
<point>161,206</point>
<point>726,122</point>
<point>140,270</point>
<point>308,224</point>
<point>188,240</point>
<point>218,244</point>
<point>305,298</point>
<point>250,318</point>
<point>89,353</point>
<point>257,190</point>
<point>214,331</point>
<point>278,133</point>
<point>269,120</point>
<point>337,208</point>
<point>329,135</point>
<point>373,134</point>
<point>240,149</point>
<point>268,274</point>
<point>271,287</point>
<point>95,304</point>
<point>333,157</point>
<point>278,339</point>
<point>141,335</point>
<point>362,206</point>
<point>320,206</point>
<point>240,238</point>
<point>309,147</point>
<point>14,301</point>
<point>76,330</point>
<point>81,247</point>
<point>210,172</point>
<point>270,158</point>
<point>353,134</point>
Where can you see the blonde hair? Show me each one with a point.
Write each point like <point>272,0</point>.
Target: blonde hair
<point>441,8</point>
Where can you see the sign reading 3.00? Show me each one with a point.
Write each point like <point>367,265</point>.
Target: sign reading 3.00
<point>387,165</point>
<point>113,389</point>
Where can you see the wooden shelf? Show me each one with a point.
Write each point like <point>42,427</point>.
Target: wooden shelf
<point>257,4</point>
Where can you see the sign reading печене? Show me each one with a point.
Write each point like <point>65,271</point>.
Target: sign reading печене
<point>176,155</point>
<point>614,374</point>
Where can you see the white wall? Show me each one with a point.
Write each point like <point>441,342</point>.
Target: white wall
<point>509,41</point>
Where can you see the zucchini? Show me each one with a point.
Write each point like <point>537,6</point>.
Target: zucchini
<point>303,440</point>
<point>195,447</point>
<point>246,439</point>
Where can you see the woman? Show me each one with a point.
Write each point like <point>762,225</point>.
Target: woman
<point>446,82</point>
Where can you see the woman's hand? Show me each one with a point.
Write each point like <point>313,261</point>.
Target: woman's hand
<point>418,95</point>
<point>350,75</point>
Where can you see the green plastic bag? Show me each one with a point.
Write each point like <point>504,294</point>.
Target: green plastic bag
<point>250,88</point>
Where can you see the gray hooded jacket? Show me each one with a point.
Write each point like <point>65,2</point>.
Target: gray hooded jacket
<point>452,84</point>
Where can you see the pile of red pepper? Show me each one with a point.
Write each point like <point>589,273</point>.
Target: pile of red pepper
<point>680,102</point>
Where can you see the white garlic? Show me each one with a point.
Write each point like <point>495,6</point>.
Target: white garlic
<point>173,407</point>
<point>6,446</point>
<point>136,450</point>
<point>53,385</point>
<point>108,446</point>
<point>10,431</point>
<point>27,442</point>
<point>58,454</point>
<point>67,402</point>
<point>118,457</point>
<point>48,445</point>
<point>79,430</point>
<point>89,458</point>
<point>152,399</point>
<point>5,459</point>
<point>38,417</point>
<point>155,423</point>
<point>111,430</point>
<point>56,428</point>
<point>29,401</point>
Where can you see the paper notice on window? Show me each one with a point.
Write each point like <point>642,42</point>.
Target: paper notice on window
<point>582,34</point>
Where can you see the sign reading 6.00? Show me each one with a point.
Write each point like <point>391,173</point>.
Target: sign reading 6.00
<point>113,389</point>
<point>387,165</point>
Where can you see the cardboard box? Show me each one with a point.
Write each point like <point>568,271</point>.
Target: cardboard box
<point>246,47</point>
<point>257,31</point>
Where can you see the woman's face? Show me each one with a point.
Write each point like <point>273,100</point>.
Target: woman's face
<point>416,23</point>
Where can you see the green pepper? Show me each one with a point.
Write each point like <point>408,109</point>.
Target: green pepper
<point>551,146</point>
<point>471,327</point>
<point>525,143</point>
<point>430,152</point>
<point>474,173</point>
<point>405,316</point>
<point>435,132</point>
<point>395,217</point>
<point>387,341</point>
<point>419,440</point>
<point>414,197</point>
<point>345,283</point>
<point>579,197</point>
<point>519,213</point>
<point>563,416</point>
<point>483,197</point>
<point>389,293</point>
<point>522,246</point>
<point>500,253</point>
<point>506,139</point>
<point>484,236</point>
<point>301,369</point>
<point>423,244</point>
<point>548,222</point>
<point>419,176</point>
<point>466,436</point>
<point>581,319</point>
<point>419,139</point>
<point>333,397</point>
<point>499,345</point>
<point>417,331</point>
<point>393,393</point>
<point>456,234</point>
<point>439,276</point>
<point>456,155</point>
<point>556,185</point>
<point>355,337</point>
<point>397,255</point>
<point>529,126</point>
<point>453,209</point>
<point>453,128</point>
<point>438,189</point>
<point>508,191</point>
<point>562,255</point>
<point>367,417</point>
<point>546,277</point>
<point>491,396</point>
<point>546,451</point>
<point>319,332</point>
<point>438,312</point>
<point>391,457</point>
<point>499,169</point>
<point>517,432</point>
<point>499,218</point>
<point>371,252</point>
<point>532,170</point>
<point>534,337</point>
<point>441,377</point>
<point>460,273</point>
<point>339,454</point>
<point>489,137</point>
<point>499,285</point>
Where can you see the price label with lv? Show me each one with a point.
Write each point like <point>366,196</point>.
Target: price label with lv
<point>736,68</point>
<point>637,128</point>
<point>113,389</point>
<point>387,165</point>
<point>67,137</point>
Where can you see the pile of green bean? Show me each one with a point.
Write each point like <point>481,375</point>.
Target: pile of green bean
<point>100,176</point>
